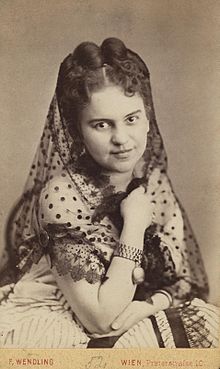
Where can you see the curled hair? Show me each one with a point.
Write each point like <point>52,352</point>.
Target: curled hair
<point>81,74</point>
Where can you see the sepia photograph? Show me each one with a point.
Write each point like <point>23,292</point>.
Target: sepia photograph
<point>110,184</point>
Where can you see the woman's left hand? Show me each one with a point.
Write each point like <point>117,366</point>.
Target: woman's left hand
<point>132,314</point>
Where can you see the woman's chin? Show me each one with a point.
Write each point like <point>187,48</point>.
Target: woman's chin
<point>121,168</point>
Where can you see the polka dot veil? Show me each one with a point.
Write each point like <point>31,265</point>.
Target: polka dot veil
<point>56,156</point>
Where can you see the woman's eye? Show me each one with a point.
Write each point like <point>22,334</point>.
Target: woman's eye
<point>101,125</point>
<point>132,119</point>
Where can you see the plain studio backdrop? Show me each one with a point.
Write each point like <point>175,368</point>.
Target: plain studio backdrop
<point>179,42</point>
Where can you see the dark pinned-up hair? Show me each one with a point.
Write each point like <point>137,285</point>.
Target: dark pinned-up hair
<point>81,74</point>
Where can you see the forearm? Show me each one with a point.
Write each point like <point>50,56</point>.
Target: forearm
<point>98,304</point>
<point>118,290</point>
<point>136,311</point>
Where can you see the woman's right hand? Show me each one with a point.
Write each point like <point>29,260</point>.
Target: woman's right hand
<point>137,208</point>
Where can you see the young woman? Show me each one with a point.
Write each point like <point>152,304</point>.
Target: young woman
<point>105,252</point>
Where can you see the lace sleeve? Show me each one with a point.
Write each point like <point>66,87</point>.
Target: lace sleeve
<point>71,252</point>
<point>73,247</point>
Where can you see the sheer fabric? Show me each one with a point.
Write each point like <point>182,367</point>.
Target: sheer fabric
<point>55,158</point>
<point>69,219</point>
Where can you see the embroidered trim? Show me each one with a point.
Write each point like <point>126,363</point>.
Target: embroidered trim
<point>165,329</point>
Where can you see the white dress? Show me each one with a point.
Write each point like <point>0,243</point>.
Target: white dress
<point>36,315</point>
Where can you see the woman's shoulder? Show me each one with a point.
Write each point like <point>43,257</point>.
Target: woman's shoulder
<point>58,200</point>
<point>59,182</point>
<point>60,187</point>
<point>159,181</point>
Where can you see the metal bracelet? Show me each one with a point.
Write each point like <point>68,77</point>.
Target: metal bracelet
<point>129,252</point>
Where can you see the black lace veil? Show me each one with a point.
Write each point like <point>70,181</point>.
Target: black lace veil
<point>59,152</point>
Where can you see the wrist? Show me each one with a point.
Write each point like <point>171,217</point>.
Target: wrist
<point>135,224</point>
<point>129,252</point>
<point>134,254</point>
<point>165,294</point>
<point>161,300</point>
<point>133,235</point>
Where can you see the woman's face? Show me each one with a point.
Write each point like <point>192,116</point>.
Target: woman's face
<point>114,129</point>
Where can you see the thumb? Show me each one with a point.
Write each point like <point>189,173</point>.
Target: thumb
<point>120,320</point>
<point>115,325</point>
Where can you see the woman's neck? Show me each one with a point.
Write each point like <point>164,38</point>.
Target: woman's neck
<point>120,180</point>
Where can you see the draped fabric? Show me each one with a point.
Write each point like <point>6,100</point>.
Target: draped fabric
<point>56,157</point>
<point>193,324</point>
<point>35,314</point>
<point>68,218</point>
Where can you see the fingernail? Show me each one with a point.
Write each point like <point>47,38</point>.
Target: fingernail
<point>115,326</point>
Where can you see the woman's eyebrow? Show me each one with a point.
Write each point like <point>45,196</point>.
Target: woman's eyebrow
<point>134,112</point>
<point>90,121</point>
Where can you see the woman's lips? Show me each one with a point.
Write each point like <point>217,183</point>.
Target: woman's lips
<point>122,154</point>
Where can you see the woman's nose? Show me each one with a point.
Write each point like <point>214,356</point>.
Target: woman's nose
<point>119,136</point>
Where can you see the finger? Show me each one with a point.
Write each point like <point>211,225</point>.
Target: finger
<point>121,320</point>
<point>130,322</point>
